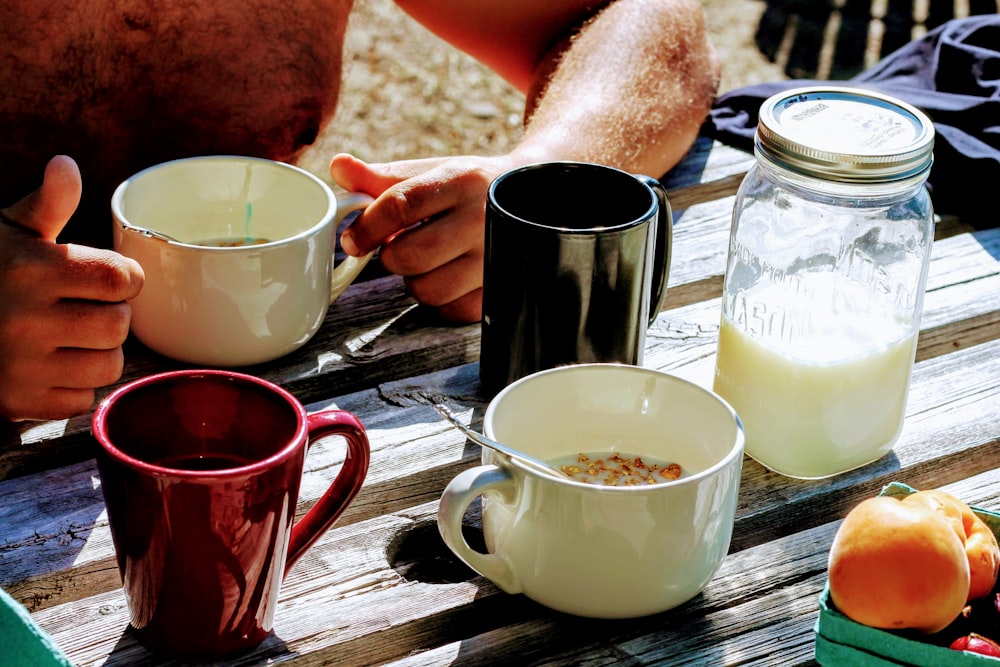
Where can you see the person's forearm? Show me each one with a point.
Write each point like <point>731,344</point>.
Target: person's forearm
<point>630,89</point>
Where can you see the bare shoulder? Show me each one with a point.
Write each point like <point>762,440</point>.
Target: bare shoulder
<point>36,31</point>
<point>123,83</point>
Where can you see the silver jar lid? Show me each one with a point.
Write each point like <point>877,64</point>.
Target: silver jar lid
<point>850,135</point>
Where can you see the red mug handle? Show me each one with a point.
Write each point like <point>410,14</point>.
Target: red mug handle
<point>344,488</point>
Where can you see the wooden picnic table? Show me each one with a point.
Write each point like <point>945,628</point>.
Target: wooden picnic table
<point>380,588</point>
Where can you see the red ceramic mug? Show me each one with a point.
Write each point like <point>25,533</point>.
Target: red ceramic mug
<point>200,471</point>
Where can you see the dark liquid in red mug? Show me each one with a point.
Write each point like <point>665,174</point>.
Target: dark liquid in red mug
<point>204,462</point>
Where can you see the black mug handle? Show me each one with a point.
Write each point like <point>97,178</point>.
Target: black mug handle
<point>664,242</point>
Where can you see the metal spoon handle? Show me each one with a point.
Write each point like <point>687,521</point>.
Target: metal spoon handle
<point>530,461</point>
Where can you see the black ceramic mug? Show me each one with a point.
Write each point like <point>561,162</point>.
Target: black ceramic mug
<point>577,259</point>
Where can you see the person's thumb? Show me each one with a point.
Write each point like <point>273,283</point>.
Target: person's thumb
<point>355,175</point>
<point>46,210</point>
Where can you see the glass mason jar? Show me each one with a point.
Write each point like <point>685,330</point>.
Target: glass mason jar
<point>828,256</point>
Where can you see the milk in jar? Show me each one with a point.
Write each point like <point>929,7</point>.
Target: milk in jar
<point>831,401</point>
<point>825,277</point>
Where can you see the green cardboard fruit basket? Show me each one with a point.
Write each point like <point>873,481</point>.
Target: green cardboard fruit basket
<point>841,642</point>
<point>22,642</point>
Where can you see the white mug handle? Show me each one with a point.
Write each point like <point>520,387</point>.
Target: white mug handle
<point>345,272</point>
<point>457,497</point>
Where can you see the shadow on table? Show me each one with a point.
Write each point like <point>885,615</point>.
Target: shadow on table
<point>72,505</point>
<point>21,442</point>
<point>990,242</point>
<point>514,630</point>
<point>538,635</point>
<point>128,652</point>
<point>691,169</point>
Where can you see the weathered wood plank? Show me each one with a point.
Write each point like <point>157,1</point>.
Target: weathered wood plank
<point>728,624</point>
<point>344,604</point>
<point>708,164</point>
<point>952,431</point>
<point>375,333</point>
<point>965,283</point>
<point>381,587</point>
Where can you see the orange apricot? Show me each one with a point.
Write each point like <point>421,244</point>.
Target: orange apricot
<point>980,543</point>
<point>896,565</point>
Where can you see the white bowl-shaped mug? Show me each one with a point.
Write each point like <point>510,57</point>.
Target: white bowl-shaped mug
<point>238,255</point>
<point>592,550</point>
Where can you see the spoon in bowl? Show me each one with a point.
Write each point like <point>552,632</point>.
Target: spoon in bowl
<point>530,461</point>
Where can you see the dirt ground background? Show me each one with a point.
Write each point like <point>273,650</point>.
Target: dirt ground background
<point>408,94</point>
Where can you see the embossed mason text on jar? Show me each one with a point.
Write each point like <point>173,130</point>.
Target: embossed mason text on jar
<point>828,256</point>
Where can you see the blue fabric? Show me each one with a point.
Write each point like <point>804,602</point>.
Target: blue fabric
<point>953,75</point>
<point>22,642</point>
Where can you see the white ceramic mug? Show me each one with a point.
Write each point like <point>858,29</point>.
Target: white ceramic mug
<point>238,254</point>
<point>592,550</point>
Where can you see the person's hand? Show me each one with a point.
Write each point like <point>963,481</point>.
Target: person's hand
<point>63,309</point>
<point>429,219</point>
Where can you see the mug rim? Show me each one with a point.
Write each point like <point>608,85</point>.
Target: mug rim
<point>735,452</point>
<point>99,427</point>
<point>491,200</point>
<point>120,219</point>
